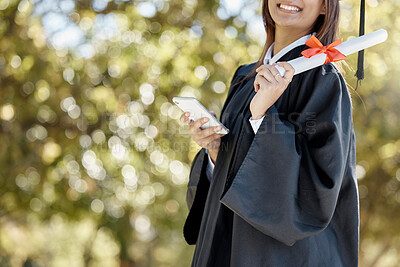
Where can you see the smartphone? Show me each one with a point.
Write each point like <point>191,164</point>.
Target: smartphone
<point>197,111</point>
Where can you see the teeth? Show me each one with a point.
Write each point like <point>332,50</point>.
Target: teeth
<point>291,8</point>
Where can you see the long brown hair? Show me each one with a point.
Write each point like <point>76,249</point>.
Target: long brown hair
<point>326,27</point>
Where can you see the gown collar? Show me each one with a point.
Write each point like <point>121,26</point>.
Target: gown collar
<point>269,60</point>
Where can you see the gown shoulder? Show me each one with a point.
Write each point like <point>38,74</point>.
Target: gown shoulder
<point>245,69</point>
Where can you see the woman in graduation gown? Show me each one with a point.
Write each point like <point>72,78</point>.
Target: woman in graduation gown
<point>280,188</point>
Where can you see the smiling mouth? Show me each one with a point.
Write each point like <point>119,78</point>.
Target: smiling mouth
<point>289,8</point>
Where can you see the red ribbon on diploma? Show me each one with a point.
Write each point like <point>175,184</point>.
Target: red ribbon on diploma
<point>332,54</point>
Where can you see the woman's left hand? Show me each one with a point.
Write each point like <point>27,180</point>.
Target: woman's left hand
<point>269,85</point>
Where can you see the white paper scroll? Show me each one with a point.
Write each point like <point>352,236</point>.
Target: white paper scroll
<point>302,64</point>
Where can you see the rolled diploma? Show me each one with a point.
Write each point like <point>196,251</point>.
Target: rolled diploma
<point>302,64</point>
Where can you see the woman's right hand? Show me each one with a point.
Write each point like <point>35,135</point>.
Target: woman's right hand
<point>269,85</point>
<point>206,138</point>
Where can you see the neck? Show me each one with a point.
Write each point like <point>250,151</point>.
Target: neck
<point>284,38</point>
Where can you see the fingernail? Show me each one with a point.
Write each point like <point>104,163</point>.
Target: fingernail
<point>218,128</point>
<point>187,113</point>
<point>205,119</point>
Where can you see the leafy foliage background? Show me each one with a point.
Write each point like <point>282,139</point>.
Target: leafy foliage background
<point>93,161</point>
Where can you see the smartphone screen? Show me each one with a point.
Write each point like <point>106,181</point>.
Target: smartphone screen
<point>197,111</point>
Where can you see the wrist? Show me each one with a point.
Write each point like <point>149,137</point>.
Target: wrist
<point>257,112</point>
<point>257,116</point>
<point>260,104</point>
<point>213,154</point>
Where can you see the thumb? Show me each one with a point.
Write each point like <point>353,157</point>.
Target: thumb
<point>212,112</point>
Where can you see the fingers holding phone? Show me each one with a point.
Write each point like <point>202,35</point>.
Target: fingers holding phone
<point>207,138</point>
<point>198,111</point>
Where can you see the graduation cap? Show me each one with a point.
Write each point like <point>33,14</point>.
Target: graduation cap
<point>360,62</point>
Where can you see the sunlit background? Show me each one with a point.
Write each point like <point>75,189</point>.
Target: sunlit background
<point>93,160</point>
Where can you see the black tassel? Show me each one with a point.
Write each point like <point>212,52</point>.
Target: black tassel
<point>360,61</point>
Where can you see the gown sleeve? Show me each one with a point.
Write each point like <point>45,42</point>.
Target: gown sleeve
<point>196,196</point>
<point>288,184</point>
<point>199,183</point>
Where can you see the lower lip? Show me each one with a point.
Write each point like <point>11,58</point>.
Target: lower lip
<point>288,11</point>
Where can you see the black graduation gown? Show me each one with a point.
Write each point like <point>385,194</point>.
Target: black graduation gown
<point>287,195</point>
